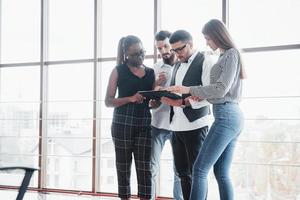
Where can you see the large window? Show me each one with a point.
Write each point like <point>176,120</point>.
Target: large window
<point>56,57</point>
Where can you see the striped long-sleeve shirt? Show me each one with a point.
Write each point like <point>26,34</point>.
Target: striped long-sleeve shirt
<point>225,83</point>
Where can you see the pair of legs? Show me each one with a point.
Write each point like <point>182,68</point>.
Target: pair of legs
<point>159,138</point>
<point>186,146</point>
<point>132,140</point>
<point>217,151</point>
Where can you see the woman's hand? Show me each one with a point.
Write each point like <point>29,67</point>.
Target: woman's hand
<point>194,98</point>
<point>137,98</point>
<point>158,88</point>
<point>179,89</point>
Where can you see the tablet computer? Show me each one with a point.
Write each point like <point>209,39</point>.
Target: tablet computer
<point>157,94</point>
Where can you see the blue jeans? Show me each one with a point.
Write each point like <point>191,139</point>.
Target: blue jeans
<point>217,150</point>
<point>159,137</point>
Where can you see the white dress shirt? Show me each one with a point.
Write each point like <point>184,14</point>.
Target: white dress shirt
<point>180,121</point>
<point>161,115</point>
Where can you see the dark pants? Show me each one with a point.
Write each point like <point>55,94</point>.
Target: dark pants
<point>133,140</point>
<point>186,146</point>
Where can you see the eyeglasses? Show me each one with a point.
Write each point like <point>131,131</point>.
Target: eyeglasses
<point>142,52</point>
<point>179,49</point>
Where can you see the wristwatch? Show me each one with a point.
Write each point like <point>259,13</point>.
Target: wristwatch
<point>183,104</point>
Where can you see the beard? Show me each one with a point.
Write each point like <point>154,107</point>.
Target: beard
<point>170,60</point>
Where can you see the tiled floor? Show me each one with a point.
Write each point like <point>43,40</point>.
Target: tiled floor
<point>11,195</point>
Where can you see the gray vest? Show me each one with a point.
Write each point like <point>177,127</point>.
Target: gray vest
<point>191,78</point>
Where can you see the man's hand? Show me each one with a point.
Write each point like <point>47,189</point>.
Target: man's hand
<point>154,103</point>
<point>161,79</point>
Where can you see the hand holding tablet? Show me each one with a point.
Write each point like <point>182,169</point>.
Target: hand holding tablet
<point>156,95</point>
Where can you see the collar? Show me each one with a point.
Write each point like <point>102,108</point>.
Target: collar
<point>161,64</point>
<point>191,58</point>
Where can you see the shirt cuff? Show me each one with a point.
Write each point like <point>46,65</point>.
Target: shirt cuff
<point>198,104</point>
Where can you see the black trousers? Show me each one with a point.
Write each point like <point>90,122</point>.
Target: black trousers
<point>133,141</point>
<point>186,146</point>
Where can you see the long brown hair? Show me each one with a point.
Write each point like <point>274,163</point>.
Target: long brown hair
<point>219,34</point>
<point>124,44</point>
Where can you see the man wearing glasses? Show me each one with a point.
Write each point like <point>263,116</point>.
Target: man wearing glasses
<point>188,116</point>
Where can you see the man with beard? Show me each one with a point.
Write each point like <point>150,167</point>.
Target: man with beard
<point>160,124</point>
<point>131,131</point>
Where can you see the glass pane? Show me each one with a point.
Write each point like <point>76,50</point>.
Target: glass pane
<point>19,119</point>
<point>264,23</point>
<point>66,172</point>
<point>272,108</point>
<point>105,128</point>
<point>269,182</point>
<point>19,127</point>
<point>272,73</point>
<point>20,84</point>
<point>107,148</point>
<point>106,112</point>
<point>271,130</point>
<point>69,146</point>
<point>20,111</point>
<point>132,17</point>
<point>108,175</point>
<point>277,153</point>
<point>191,16</point>
<point>108,172</point>
<point>70,110</point>
<point>105,70</point>
<point>21,145</point>
<point>69,128</point>
<point>71,29</point>
<point>71,82</point>
<point>20,31</point>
